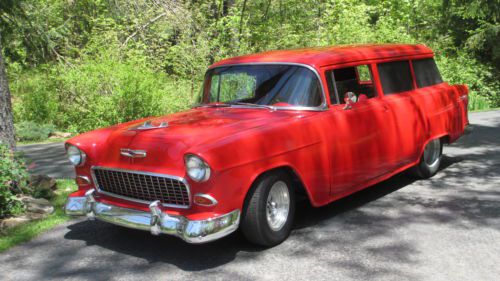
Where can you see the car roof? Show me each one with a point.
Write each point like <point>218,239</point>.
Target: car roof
<point>323,56</point>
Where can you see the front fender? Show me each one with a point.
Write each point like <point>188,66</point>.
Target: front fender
<point>238,160</point>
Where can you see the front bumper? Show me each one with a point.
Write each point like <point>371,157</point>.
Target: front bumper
<point>156,221</point>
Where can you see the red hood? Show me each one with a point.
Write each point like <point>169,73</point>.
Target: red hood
<point>183,131</point>
<point>197,126</point>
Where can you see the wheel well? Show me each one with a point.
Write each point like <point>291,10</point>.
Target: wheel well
<point>445,139</point>
<point>300,191</point>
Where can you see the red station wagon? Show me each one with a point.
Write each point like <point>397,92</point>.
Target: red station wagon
<point>270,127</point>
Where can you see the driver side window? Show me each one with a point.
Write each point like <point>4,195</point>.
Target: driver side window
<point>356,79</point>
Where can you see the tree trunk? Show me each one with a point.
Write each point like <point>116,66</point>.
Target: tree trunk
<point>6,120</point>
<point>241,23</point>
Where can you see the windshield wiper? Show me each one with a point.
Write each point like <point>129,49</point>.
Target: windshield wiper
<point>252,105</point>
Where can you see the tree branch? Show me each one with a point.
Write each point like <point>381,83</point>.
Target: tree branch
<point>142,27</point>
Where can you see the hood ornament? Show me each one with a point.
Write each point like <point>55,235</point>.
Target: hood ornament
<point>148,125</point>
<point>133,153</point>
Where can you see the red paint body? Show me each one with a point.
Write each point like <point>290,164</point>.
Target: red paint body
<point>334,152</point>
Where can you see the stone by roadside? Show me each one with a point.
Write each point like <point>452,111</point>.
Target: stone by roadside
<point>37,205</point>
<point>43,186</point>
<point>15,221</point>
<point>36,208</point>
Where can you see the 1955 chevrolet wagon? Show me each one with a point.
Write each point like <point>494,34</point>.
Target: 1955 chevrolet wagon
<point>318,123</point>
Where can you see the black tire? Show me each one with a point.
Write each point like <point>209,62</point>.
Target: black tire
<point>424,169</point>
<point>254,222</point>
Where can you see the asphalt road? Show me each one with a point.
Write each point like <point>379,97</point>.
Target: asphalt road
<point>444,228</point>
<point>48,159</point>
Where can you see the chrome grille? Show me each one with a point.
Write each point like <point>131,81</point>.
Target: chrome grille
<point>142,187</point>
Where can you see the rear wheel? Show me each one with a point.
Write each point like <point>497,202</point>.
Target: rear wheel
<point>269,210</point>
<point>430,160</point>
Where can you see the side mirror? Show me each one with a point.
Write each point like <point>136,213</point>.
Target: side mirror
<point>349,99</point>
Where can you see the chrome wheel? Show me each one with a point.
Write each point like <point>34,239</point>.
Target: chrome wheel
<point>277,206</point>
<point>432,152</point>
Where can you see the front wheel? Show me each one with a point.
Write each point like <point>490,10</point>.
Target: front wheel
<point>269,210</point>
<point>430,160</point>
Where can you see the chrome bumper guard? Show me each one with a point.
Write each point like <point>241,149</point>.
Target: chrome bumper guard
<point>156,221</point>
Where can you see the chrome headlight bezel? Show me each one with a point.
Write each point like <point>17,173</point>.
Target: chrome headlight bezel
<point>76,156</point>
<point>196,168</point>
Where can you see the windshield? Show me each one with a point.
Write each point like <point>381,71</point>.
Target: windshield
<point>265,85</point>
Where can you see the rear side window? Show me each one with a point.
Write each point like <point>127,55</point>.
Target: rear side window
<point>426,73</point>
<point>395,77</point>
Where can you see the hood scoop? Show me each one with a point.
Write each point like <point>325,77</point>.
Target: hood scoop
<point>148,125</point>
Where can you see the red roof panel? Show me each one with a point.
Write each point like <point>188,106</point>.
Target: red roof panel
<point>321,56</point>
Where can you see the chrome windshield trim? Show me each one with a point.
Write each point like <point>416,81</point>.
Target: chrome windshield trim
<point>322,107</point>
<point>181,179</point>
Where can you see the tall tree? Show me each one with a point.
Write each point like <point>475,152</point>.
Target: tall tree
<point>6,120</point>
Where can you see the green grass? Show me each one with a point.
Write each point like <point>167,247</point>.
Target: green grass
<point>28,231</point>
<point>486,109</point>
<point>42,141</point>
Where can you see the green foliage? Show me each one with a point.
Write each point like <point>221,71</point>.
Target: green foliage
<point>484,86</point>
<point>13,178</point>
<point>31,131</point>
<point>85,64</point>
<point>36,105</point>
<point>97,92</point>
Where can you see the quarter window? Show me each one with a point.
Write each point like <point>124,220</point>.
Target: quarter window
<point>426,73</point>
<point>395,77</point>
<point>364,74</point>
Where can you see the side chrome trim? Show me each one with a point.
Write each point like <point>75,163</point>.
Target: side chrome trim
<point>322,107</point>
<point>181,179</point>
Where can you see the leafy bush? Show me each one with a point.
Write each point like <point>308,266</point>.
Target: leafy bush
<point>31,131</point>
<point>96,92</point>
<point>484,86</point>
<point>13,177</point>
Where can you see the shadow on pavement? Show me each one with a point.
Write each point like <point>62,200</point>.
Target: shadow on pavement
<point>189,257</point>
<point>354,224</point>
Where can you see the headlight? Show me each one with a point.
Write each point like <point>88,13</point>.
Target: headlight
<point>75,155</point>
<point>197,169</point>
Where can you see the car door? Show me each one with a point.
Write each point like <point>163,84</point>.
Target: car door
<point>398,87</point>
<point>357,134</point>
